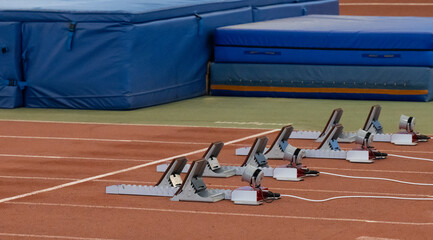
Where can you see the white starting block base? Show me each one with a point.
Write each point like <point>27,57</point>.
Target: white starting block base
<point>348,137</point>
<point>159,191</point>
<point>245,196</point>
<point>402,139</point>
<point>318,153</point>
<point>397,139</point>
<point>305,135</point>
<point>358,157</point>
<point>286,174</point>
<point>243,151</point>
<point>382,137</point>
<point>353,156</point>
<point>124,189</point>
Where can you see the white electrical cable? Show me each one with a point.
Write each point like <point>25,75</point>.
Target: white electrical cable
<point>377,178</point>
<point>416,158</point>
<point>342,197</point>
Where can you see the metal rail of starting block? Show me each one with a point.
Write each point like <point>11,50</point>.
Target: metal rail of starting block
<point>171,182</point>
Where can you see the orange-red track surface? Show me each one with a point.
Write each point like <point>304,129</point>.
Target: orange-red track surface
<point>421,8</point>
<point>36,156</point>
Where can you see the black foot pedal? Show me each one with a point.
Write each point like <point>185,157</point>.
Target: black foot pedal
<point>309,172</point>
<point>422,138</point>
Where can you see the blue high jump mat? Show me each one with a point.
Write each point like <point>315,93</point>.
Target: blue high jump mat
<point>119,54</point>
<point>329,39</point>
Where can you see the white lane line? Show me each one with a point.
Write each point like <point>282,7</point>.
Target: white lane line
<point>49,236</point>
<point>233,214</point>
<point>252,123</point>
<point>122,124</point>
<point>128,169</point>
<point>374,238</point>
<point>214,186</point>
<point>77,158</point>
<point>415,158</point>
<point>386,4</point>
<point>101,140</point>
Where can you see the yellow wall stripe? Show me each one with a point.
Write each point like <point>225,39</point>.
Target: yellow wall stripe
<point>318,90</point>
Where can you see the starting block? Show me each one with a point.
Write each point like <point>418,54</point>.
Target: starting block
<point>329,148</point>
<point>408,137</point>
<point>194,188</point>
<point>330,141</point>
<point>365,138</point>
<point>320,136</point>
<point>167,185</point>
<point>403,139</point>
<point>332,122</point>
<point>276,151</point>
<point>258,159</point>
<point>371,125</point>
<point>294,156</point>
<point>253,194</point>
<point>213,167</point>
<point>171,182</point>
<point>288,172</point>
<point>407,124</point>
<point>255,158</point>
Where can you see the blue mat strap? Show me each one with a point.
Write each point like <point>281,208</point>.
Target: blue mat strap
<point>199,23</point>
<point>8,82</point>
<point>304,11</point>
<point>13,83</point>
<point>71,29</point>
<point>22,85</point>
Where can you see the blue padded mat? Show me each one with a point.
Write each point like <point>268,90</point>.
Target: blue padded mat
<point>108,10</point>
<point>111,54</point>
<point>329,39</point>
